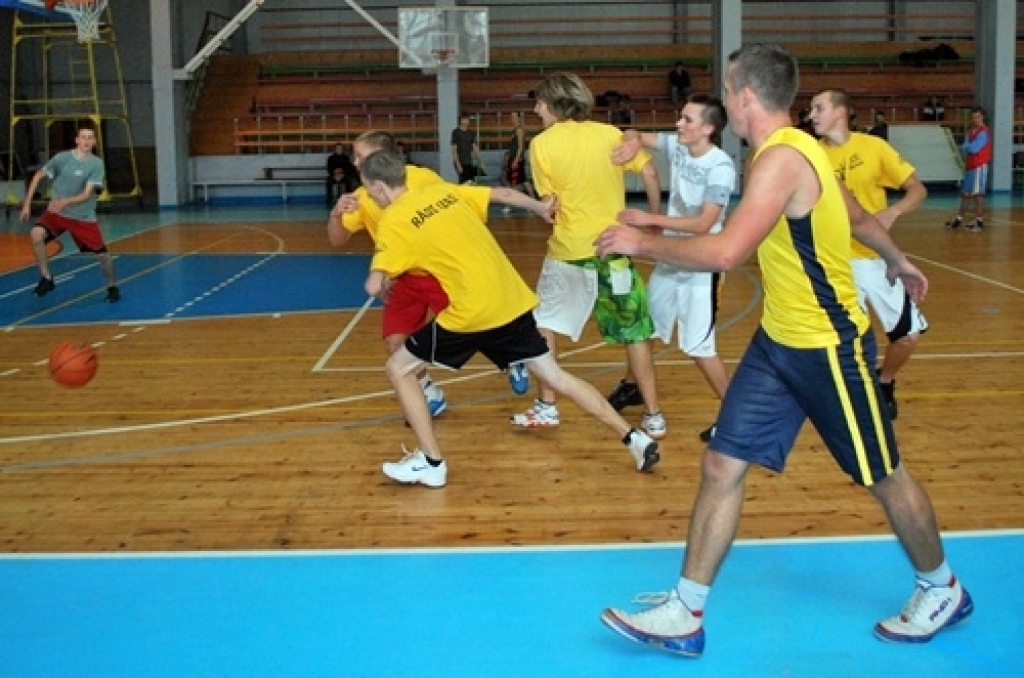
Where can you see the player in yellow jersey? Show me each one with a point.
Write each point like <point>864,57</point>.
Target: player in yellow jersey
<point>572,158</point>
<point>869,167</point>
<point>812,358</point>
<point>440,229</point>
<point>415,296</point>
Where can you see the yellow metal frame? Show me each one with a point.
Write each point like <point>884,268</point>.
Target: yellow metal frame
<point>83,101</point>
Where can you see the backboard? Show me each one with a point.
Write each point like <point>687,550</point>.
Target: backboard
<point>454,37</point>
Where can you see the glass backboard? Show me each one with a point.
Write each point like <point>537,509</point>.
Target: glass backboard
<point>432,37</point>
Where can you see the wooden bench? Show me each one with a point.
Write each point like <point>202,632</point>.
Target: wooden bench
<point>311,173</point>
<point>281,184</point>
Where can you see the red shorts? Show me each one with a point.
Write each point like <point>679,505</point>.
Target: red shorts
<point>86,234</point>
<point>409,300</point>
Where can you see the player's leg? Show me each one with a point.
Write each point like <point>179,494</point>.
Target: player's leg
<point>622,316</point>
<point>411,300</point>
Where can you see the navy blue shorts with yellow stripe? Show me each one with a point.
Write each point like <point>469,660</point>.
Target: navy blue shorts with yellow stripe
<point>776,388</point>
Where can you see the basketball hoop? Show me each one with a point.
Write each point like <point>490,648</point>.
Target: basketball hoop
<point>442,56</point>
<point>86,14</point>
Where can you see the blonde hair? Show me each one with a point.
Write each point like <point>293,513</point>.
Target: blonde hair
<point>566,96</point>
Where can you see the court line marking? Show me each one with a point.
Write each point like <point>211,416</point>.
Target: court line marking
<point>999,533</point>
<point>968,274</point>
<point>329,353</point>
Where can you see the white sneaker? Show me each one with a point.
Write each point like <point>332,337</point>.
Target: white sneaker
<point>669,626</point>
<point>414,468</point>
<point>540,414</point>
<point>929,610</point>
<point>654,425</point>
<point>643,449</point>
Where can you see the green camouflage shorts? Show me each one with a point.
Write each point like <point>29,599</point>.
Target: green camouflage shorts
<point>621,318</point>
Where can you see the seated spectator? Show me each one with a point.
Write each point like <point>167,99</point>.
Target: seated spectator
<point>679,85</point>
<point>342,176</point>
<point>881,127</point>
<point>933,110</point>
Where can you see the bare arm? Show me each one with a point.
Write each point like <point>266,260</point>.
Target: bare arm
<point>914,193</point>
<point>337,234</point>
<point>26,206</point>
<point>545,209</point>
<point>652,186</point>
<point>870,231</point>
<point>696,224</point>
<point>776,184</point>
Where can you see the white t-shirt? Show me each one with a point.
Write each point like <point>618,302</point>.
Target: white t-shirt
<point>695,181</point>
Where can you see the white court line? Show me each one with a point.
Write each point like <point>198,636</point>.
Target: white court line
<point>968,274</point>
<point>319,367</point>
<point>513,550</point>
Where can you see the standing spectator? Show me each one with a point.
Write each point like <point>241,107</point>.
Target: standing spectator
<point>977,149</point>
<point>933,110</point>
<point>703,179</point>
<point>811,358</point>
<point>76,176</point>
<point>342,176</point>
<point>678,85</point>
<point>514,170</point>
<point>881,128</point>
<point>572,160</point>
<point>466,152</point>
<point>870,168</point>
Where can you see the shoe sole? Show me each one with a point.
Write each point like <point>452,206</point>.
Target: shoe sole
<point>681,646</point>
<point>416,482</point>
<point>651,457</point>
<point>534,424</point>
<point>657,435</point>
<point>965,610</point>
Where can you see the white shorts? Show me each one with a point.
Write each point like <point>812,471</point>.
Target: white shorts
<point>686,300</point>
<point>567,296</point>
<point>898,313</point>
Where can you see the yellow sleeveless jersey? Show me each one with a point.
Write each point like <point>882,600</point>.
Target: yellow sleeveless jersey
<point>867,166</point>
<point>810,300</point>
<point>440,229</point>
<point>369,213</point>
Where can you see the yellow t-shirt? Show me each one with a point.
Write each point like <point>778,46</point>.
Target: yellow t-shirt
<point>572,160</point>
<point>440,229</point>
<point>867,166</point>
<point>810,300</point>
<point>369,213</point>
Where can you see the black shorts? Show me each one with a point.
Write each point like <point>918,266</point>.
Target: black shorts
<point>514,342</point>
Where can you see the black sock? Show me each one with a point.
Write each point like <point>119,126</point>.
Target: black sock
<point>434,462</point>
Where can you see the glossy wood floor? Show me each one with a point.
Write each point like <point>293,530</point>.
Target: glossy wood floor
<point>219,433</point>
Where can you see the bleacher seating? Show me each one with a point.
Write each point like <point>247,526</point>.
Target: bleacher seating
<point>309,101</point>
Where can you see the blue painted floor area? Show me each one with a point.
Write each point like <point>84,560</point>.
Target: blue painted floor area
<point>155,287</point>
<point>796,608</point>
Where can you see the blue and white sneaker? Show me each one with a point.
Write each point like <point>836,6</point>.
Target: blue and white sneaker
<point>436,402</point>
<point>929,610</point>
<point>519,378</point>
<point>414,468</point>
<point>669,625</point>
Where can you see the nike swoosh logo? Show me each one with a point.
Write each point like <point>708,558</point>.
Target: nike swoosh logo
<point>419,468</point>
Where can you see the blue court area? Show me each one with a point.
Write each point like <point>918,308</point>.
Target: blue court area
<point>780,608</point>
<point>161,287</point>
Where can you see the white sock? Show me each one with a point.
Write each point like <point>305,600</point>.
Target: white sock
<point>693,595</point>
<point>941,576</point>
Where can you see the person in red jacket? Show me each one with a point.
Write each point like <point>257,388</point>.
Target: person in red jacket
<point>977,148</point>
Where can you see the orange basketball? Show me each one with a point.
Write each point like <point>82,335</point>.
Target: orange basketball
<point>73,364</point>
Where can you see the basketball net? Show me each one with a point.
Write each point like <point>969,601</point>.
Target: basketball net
<point>86,14</point>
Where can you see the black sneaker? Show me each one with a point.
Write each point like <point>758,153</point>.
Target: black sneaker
<point>45,286</point>
<point>976,225</point>
<point>113,295</point>
<point>955,222</point>
<point>705,435</point>
<point>625,395</point>
<point>889,394</point>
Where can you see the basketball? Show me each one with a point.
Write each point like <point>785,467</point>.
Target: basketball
<point>73,364</point>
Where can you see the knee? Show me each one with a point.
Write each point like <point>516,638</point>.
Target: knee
<point>722,471</point>
<point>38,235</point>
<point>393,342</point>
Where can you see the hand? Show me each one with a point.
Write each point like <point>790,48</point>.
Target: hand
<point>619,239</point>
<point>347,204</point>
<point>912,278</point>
<point>26,211</point>
<point>626,150</point>
<point>550,203</point>
<point>635,217</point>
